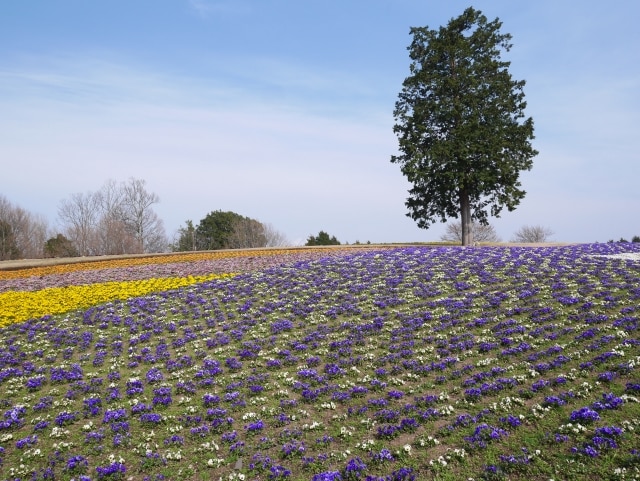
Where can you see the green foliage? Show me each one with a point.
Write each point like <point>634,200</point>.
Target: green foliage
<point>459,124</point>
<point>635,238</point>
<point>221,230</point>
<point>60,246</point>
<point>322,239</point>
<point>213,232</point>
<point>186,240</point>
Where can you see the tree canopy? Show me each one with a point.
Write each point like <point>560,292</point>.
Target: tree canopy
<point>459,119</point>
<point>223,230</point>
<point>59,246</point>
<point>322,239</point>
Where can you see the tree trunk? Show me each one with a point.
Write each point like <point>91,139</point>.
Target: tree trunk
<point>465,215</point>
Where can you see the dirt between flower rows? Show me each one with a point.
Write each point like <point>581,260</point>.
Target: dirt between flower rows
<point>18,264</point>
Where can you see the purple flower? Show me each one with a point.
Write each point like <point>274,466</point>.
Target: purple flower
<point>41,425</point>
<point>229,437</point>
<point>293,448</point>
<point>327,476</point>
<point>27,442</point>
<point>354,468</point>
<point>111,415</point>
<point>77,464</point>
<point>112,470</point>
<point>387,431</point>
<point>633,387</point>
<point>511,420</point>
<point>395,394</point>
<point>44,403</point>
<point>255,426</point>
<point>607,376</point>
<point>113,394</point>
<point>382,456</point>
<point>135,387</point>
<point>120,427</point>
<point>154,375</point>
<point>35,383</point>
<point>150,418</point>
<point>210,400</point>
<point>585,414</point>
<point>483,434</point>
<point>65,418</point>
<point>554,401</point>
<point>233,364</point>
<point>162,396</point>
<point>140,408</point>
<point>278,472</point>
<point>94,437</point>
<point>174,440</point>
<point>609,401</point>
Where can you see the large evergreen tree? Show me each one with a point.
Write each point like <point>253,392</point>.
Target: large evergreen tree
<point>463,139</point>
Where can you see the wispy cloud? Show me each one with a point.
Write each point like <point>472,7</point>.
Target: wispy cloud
<point>200,147</point>
<point>206,8</point>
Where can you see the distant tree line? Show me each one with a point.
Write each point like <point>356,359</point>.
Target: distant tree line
<point>22,234</point>
<point>117,219</point>
<point>120,218</point>
<point>635,238</point>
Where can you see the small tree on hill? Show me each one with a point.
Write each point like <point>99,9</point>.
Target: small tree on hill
<point>532,234</point>
<point>322,239</point>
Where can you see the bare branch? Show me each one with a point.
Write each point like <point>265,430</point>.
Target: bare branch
<point>533,234</point>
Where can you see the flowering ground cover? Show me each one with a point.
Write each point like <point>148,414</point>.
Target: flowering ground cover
<point>395,364</point>
<point>36,291</point>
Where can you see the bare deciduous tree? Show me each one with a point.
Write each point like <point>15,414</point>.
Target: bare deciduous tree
<point>80,215</point>
<point>247,233</point>
<point>139,216</point>
<point>480,232</point>
<point>118,219</point>
<point>23,234</point>
<point>113,237</point>
<point>274,237</point>
<point>31,233</point>
<point>532,234</point>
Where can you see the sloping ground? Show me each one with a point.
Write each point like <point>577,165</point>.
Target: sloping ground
<point>28,263</point>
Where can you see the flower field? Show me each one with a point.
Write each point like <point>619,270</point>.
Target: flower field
<point>363,364</point>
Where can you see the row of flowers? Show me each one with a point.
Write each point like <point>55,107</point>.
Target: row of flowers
<point>19,306</point>
<point>391,364</point>
<point>37,291</point>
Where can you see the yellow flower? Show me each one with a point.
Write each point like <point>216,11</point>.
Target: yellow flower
<point>21,306</point>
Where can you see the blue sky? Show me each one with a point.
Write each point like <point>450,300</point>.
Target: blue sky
<point>282,110</point>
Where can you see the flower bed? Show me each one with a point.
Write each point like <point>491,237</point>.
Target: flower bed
<point>395,364</point>
<point>37,291</point>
